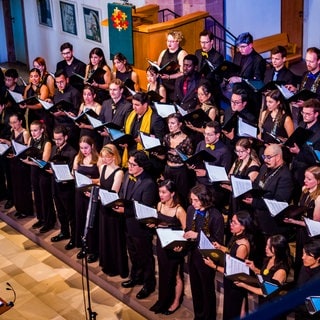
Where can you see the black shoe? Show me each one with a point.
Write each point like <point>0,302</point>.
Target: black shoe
<point>81,254</point>
<point>45,229</point>
<point>93,257</point>
<point>9,204</point>
<point>37,225</point>
<point>168,312</point>
<point>21,216</point>
<point>130,283</point>
<point>70,245</point>
<point>144,293</point>
<point>17,214</point>
<point>59,237</point>
<point>156,308</point>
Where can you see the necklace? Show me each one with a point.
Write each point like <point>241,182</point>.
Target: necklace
<point>175,134</point>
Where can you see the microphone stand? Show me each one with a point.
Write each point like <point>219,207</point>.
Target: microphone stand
<point>93,202</point>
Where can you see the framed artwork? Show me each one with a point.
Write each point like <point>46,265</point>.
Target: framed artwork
<point>44,12</point>
<point>68,17</point>
<point>92,24</point>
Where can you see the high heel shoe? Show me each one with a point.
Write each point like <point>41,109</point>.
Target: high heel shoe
<point>168,312</point>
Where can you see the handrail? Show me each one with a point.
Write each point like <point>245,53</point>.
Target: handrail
<point>165,17</point>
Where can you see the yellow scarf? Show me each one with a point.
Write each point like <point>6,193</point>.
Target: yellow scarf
<point>145,127</point>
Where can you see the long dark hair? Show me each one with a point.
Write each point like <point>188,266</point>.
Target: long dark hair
<point>280,247</point>
<point>171,187</point>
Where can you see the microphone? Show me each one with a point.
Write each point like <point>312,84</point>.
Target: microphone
<point>94,197</point>
<point>11,303</point>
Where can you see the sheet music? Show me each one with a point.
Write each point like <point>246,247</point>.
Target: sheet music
<point>18,147</point>
<point>17,97</point>
<point>132,92</point>
<point>61,172</point>
<point>235,266</point>
<point>240,186</point>
<point>154,65</point>
<point>275,206</point>
<point>216,173</point>
<point>181,111</point>
<point>204,242</point>
<point>107,197</point>
<point>144,212</point>
<point>81,179</point>
<point>246,130</point>
<point>94,122</point>
<point>167,236</point>
<point>312,226</point>
<point>149,142</point>
<point>3,148</point>
<point>46,105</point>
<point>284,91</point>
<point>164,110</point>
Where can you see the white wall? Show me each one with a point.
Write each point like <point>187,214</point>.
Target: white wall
<point>311,34</point>
<point>44,41</point>
<point>3,51</point>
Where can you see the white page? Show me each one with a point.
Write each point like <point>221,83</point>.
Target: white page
<point>3,148</point>
<point>153,64</point>
<point>167,236</point>
<point>235,266</point>
<point>143,212</point>
<point>18,147</point>
<point>216,173</point>
<point>107,197</point>
<point>46,105</point>
<point>18,97</point>
<point>81,179</point>
<point>204,242</point>
<point>149,142</point>
<point>313,227</point>
<point>245,129</point>
<point>61,172</point>
<point>284,91</point>
<point>275,206</point>
<point>240,186</point>
<point>94,122</point>
<point>164,110</point>
<point>181,111</point>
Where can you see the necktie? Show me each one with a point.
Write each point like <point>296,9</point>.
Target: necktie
<point>204,54</point>
<point>132,178</point>
<point>185,85</point>
<point>275,76</point>
<point>210,146</point>
<point>114,108</point>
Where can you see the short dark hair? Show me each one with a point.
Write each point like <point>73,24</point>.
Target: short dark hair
<point>312,103</point>
<point>205,33</point>
<point>11,73</point>
<point>60,73</point>
<point>141,158</point>
<point>241,92</point>
<point>66,45</point>
<point>244,37</point>
<point>312,248</point>
<point>279,49</point>
<point>214,124</point>
<point>142,97</point>
<point>193,58</point>
<point>61,129</point>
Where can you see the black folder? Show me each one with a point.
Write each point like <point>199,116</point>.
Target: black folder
<point>198,118</point>
<point>197,158</point>
<point>227,69</point>
<point>260,86</point>
<point>62,105</point>
<point>82,118</point>
<point>216,255</point>
<point>119,137</point>
<point>232,123</point>
<point>154,96</point>
<point>303,95</point>
<point>299,136</point>
<point>169,67</point>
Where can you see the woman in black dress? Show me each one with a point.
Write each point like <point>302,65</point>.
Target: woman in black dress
<point>113,257</point>
<point>238,247</point>
<point>202,216</point>
<point>20,172</point>
<point>86,163</point>
<point>170,214</point>
<point>310,199</point>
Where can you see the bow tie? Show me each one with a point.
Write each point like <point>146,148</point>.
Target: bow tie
<point>61,91</point>
<point>210,146</point>
<point>312,76</point>
<point>204,54</point>
<point>132,178</point>
<point>201,213</point>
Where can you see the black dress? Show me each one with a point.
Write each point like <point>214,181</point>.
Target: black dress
<point>21,182</point>
<point>82,203</point>
<point>170,263</point>
<point>113,256</point>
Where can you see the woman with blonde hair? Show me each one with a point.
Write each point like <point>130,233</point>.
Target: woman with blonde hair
<point>113,257</point>
<point>310,199</point>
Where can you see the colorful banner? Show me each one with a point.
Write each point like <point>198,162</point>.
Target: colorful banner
<point>120,30</point>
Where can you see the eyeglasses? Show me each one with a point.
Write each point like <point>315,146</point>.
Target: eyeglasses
<point>307,114</point>
<point>66,53</point>
<point>131,164</point>
<point>236,102</point>
<point>267,157</point>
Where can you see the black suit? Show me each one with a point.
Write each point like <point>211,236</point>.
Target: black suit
<point>76,66</point>
<point>189,101</point>
<point>139,237</point>
<point>284,74</point>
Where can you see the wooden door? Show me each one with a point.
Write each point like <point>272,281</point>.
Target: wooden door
<point>292,21</point>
